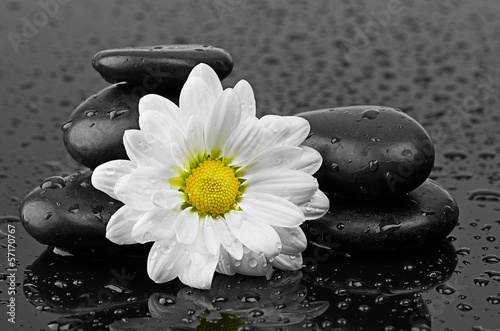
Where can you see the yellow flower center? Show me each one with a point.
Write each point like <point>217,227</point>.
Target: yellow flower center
<point>212,188</point>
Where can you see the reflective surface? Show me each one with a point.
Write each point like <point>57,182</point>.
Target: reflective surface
<point>436,60</point>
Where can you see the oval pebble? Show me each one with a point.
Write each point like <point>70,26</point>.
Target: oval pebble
<point>69,213</point>
<point>369,151</point>
<point>94,133</point>
<point>160,67</point>
<point>423,217</point>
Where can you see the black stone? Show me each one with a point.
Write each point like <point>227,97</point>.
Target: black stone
<point>69,213</point>
<point>160,67</point>
<point>369,151</point>
<point>423,217</point>
<point>94,133</point>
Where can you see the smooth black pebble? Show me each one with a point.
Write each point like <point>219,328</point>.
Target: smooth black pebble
<point>369,151</point>
<point>69,213</point>
<point>93,134</point>
<point>423,217</point>
<point>160,67</point>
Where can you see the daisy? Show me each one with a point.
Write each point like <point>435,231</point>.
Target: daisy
<point>215,188</point>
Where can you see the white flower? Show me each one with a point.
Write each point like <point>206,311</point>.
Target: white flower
<point>214,187</point>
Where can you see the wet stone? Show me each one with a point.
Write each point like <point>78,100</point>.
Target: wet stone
<point>70,215</point>
<point>369,151</point>
<point>423,217</point>
<point>94,132</point>
<point>160,67</point>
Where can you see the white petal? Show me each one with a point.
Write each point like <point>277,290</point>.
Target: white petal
<point>145,150</point>
<point>180,160</point>
<point>158,114</point>
<point>310,162</point>
<point>232,245</point>
<point>196,99</point>
<point>316,207</point>
<point>293,185</point>
<point>150,226</point>
<point>186,225</point>
<point>222,121</point>
<point>119,227</point>
<point>165,260</point>
<point>293,240</point>
<point>209,76</point>
<point>148,179</point>
<point>251,264</point>
<point>272,209</point>
<point>168,199</point>
<point>244,142</point>
<point>257,235</point>
<point>132,197</point>
<point>185,152</point>
<point>196,137</point>
<point>212,240</point>
<point>224,264</point>
<point>247,98</point>
<point>106,175</point>
<point>285,130</point>
<point>288,262</point>
<point>272,159</point>
<point>201,270</point>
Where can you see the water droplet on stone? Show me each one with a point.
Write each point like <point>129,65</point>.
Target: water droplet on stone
<point>335,140</point>
<point>48,215</point>
<point>334,167</point>
<point>445,289</point>
<point>370,114</point>
<point>464,307</point>
<point>373,165</point>
<point>75,208</point>
<point>54,182</point>
<point>491,259</point>
<point>66,126</point>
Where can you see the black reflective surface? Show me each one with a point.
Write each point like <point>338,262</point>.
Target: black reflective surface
<point>436,60</point>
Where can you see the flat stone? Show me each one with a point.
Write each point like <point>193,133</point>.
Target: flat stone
<point>421,218</point>
<point>369,151</point>
<point>94,132</point>
<point>69,213</point>
<point>160,67</point>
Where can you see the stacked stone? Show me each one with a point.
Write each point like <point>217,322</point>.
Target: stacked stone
<point>68,212</point>
<point>376,163</point>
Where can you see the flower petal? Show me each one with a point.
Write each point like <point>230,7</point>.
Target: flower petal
<point>244,142</point>
<point>293,185</point>
<point>145,150</point>
<point>200,271</point>
<point>285,130</point>
<point>132,197</point>
<point>257,235</point>
<point>272,159</point>
<point>186,225</point>
<point>209,76</point>
<point>196,137</point>
<point>106,175</point>
<point>247,98</point>
<point>310,162</point>
<point>151,226</point>
<point>119,227</point>
<point>251,264</point>
<point>288,262</point>
<point>157,114</point>
<point>316,207</point>
<point>147,179</point>
<point>224,264</point>
<point>166,260</point>
<point>272,209</point>
<point>232,245</point>
<point>293,240</point>
<point>212,240</point>
<point>222,121</point>
<point>168,199</point>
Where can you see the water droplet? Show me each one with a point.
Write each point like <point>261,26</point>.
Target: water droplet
<point>334,167</point>
<point>115,113</point>
<point>54,182</point>
<point>78,282</point>
<point>256,313</point>
<point>75,208</point>
<point>409,267</point>
<point>166,300</point>
<point>494,300</point>
<point>484,195</point>
<point>249,297</point>
<point>482,282</point>
<point>464,307</point>
<point>445,289</point>
<point>219,299</point>
<point>364,308</point>
<point>90,113</point>
<point>376,140</point>
<point>370,114</point>
<point>109,171</point>
<point>491,259</point>
<point>342,305</point>
<point>237,263</point>
<point>48,215</point>
<point>407,153</point>
<point>355,282</point>
<point>66,126</point>
<point>340,226</point>
<point>463,251</point>
<point>381,299</point>
<point>373,165</point>
<point>336,140</point>
<point>86,183</point>
<point>252,263</point>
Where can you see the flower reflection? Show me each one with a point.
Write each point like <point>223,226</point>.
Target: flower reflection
<point>231,303</point>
